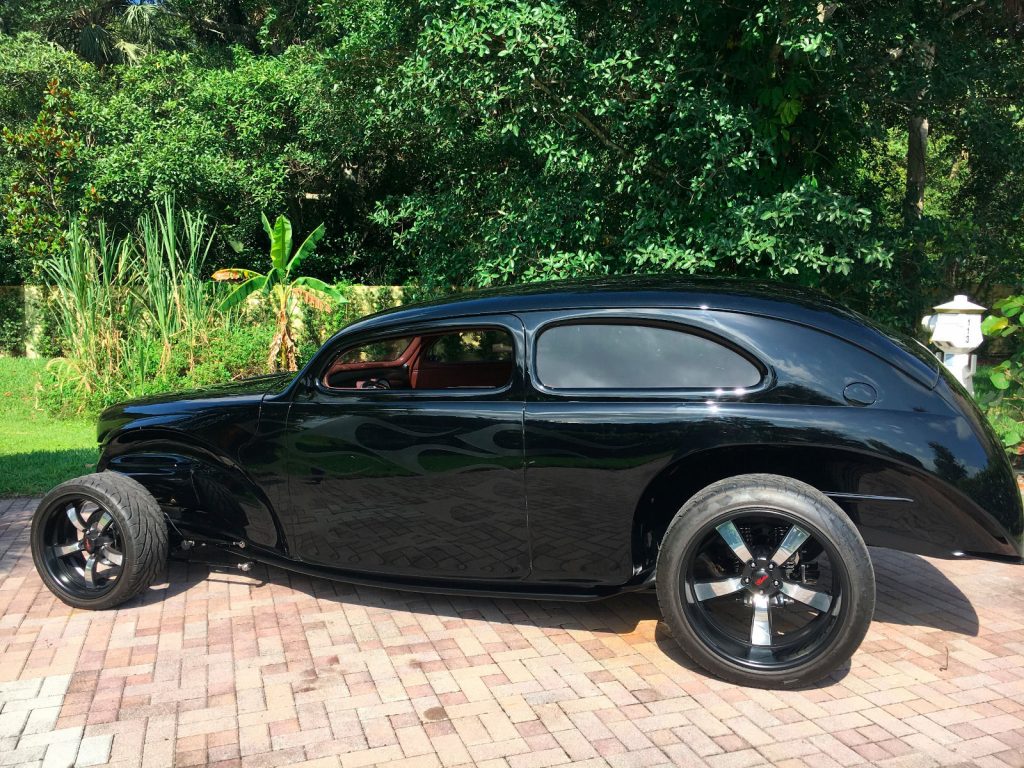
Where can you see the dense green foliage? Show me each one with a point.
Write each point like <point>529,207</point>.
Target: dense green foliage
<point>1000,388</point>
<point>455,143</point>
<point>137,315</point>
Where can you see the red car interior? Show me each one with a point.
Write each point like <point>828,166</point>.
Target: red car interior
<point>417,367</point>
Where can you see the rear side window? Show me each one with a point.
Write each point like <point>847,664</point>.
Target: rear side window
<point>623,356</point>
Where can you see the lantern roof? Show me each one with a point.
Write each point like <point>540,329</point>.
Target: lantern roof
<point>960,305</point>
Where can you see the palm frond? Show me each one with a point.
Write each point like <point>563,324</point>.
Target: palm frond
<point>232,274</point>
<point>307,247</point>
<point>320,287</point>
<point>242,292</point>
<point>131,53</point>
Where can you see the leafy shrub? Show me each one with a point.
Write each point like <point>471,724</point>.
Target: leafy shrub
<point>12,322</point>
<point>1000,388</point>
<point>231,351</point>
<point>42,190</point>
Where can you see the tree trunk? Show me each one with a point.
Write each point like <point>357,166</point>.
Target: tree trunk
<point>1015,13</point>
<point>917,151</point>
<point>914,259</point>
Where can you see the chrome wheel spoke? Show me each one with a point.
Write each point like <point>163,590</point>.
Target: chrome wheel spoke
<point>761,623</point>
<point>63,550</point>
<point>111,555</point>
<point>734,539</point>
<point>794,539</point>
<point>816,599</point>
<point>705,590</point>
<point>89,572</point>
<point>82,546</point>
<point>76,518</point>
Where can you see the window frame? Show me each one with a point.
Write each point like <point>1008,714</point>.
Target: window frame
<point>660,318</point>
<point>509,324</point>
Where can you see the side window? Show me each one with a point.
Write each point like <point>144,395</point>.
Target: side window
<point>485,346</point>
<point>481,358</point>
<point>468,358</point>
<point>625,356</point>
<point>383,351</point>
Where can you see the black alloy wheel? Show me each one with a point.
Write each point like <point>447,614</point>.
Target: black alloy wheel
<point>82,548</point>
<point>764,581</point>
<point>98,540</point>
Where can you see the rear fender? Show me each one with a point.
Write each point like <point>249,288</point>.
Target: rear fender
<point>893,505</point>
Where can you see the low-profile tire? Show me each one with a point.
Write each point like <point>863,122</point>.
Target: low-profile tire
<point>98,540</point>
<point>765,582</point>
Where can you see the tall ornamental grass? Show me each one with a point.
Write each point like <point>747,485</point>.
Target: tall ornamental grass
<point>90,307</point>
<point>123,306</point>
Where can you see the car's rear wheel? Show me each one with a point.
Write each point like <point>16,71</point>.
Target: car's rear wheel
<point>764,581</point>
<point>98,540</point>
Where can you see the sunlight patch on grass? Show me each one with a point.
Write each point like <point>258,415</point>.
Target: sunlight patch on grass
<point>37,451</point>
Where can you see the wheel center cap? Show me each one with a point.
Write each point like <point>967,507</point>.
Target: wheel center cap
<point>760,577</point>
<point>91,539</point>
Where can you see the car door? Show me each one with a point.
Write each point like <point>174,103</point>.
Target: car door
<point>406,454</point>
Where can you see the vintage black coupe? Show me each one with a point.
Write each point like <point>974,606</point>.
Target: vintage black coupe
<point>735,446</point>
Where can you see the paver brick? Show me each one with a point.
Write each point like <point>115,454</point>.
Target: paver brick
<point>272,669</point>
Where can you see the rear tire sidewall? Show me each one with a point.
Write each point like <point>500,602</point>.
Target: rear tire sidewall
<point>137,566</point>
<point>823,519</point>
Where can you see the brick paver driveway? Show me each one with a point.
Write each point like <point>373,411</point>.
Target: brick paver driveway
<point>269,668</point>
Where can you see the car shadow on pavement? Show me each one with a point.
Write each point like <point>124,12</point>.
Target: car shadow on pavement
<point>913,592</point>
<point>910,591</point>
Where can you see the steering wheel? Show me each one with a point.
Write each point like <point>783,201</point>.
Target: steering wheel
<point>376,384</point>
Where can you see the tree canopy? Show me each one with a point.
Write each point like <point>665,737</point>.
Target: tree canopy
<point>873,149</point>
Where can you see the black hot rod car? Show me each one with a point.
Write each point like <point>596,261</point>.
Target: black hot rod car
<point>734,445</point>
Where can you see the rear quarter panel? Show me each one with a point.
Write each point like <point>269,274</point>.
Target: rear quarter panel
<point>595,462</point>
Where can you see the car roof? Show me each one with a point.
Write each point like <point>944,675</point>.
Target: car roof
<point>629,290</point>
<point>796,304</point>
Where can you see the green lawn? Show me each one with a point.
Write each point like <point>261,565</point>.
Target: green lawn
<point>37,451</point>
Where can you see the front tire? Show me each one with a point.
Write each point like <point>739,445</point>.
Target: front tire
<point>98,540</point>
<point>765,582</point>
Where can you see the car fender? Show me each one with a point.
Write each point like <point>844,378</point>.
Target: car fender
<point>203,491</point>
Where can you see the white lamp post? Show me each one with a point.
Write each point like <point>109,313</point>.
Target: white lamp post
<point>956,331</point>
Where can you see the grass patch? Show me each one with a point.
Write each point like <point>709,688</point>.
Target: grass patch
<point>37,451</point>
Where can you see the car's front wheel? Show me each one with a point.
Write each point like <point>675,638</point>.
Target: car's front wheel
<point>764,581</point>
<point>98,540</point>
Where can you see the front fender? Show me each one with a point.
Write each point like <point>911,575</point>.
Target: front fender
<point>201,490</point>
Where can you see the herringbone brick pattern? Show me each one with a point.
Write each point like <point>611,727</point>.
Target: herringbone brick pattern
<point>269,669</point>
